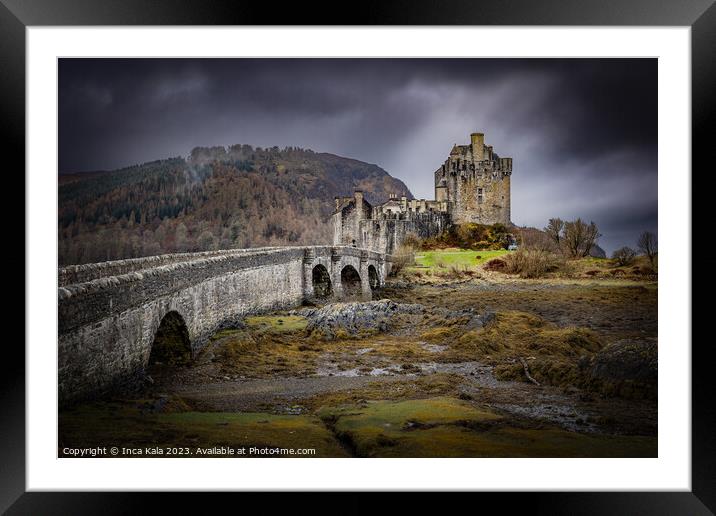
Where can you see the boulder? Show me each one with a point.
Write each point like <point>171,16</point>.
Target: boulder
<point>626,368</point>
<point>352,318</point>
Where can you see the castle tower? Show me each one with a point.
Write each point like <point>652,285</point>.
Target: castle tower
<point>474,183</point>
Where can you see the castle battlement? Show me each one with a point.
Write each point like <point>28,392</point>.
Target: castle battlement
<point>472,185</point>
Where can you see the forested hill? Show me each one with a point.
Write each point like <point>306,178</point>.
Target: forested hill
<point>217,198</point>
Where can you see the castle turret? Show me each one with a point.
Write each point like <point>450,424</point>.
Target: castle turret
<point>478,146</point>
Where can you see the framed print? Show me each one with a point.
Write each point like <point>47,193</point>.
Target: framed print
<point>424,252</point>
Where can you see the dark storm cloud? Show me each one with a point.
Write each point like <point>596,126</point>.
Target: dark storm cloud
<point>582,132</point>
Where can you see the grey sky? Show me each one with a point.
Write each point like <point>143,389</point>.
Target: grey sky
<point>582,132</point>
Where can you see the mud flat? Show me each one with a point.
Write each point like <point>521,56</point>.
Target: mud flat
<point>474,368</point>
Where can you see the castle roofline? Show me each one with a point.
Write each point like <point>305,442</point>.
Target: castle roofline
<point>343,202</point>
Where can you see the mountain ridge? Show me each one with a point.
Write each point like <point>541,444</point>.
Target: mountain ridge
<point>215,198</point>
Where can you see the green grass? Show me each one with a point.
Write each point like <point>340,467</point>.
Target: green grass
<point>277,323</point>
<point>441,258</point>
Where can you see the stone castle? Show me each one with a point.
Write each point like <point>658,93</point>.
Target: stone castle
<point>472,185</point>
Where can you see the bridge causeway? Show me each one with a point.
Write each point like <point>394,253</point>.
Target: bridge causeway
<point>110,313</point>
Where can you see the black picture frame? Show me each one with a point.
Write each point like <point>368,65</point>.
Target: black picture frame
<point>700,15</point>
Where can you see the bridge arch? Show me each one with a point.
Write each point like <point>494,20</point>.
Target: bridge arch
<point>171,344</point>
<point>373,278</point>
<point>351,281</point>
<point>321,278</point>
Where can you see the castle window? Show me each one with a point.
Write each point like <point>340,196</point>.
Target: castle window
<point>479,195</point>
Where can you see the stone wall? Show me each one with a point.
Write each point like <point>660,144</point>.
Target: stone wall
<point>383,228</point>
<point>387,233</point>
<point>483,199</point>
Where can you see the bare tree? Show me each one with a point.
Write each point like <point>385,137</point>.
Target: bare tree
<point>554,229</point>
<point>579,237</point>
<point>624,256</point>
<point>539,240</point>
<point>648,246</point>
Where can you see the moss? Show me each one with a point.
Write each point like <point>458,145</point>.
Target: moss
<point>127,425</point>
<point>447,427</point>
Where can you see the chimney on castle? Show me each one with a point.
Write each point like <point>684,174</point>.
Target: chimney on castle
<point>404,203</point>
<point>338,202</point>
<point>478,146</point>
<point>358,196</point>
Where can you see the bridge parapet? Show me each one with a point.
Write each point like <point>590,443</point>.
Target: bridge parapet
<point>148,278</point>
<point>90,271</point>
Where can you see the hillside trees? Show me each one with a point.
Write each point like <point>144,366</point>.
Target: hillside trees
<point>217,198</point>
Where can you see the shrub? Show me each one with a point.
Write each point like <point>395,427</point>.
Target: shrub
<point>412,241</point>
<point>470,236</point>
<point>645,271</point>
<point>457,272</point>
<point>624,256</point>
<point>496,264</point>
<point>531,263</point>
<point>403,257</point>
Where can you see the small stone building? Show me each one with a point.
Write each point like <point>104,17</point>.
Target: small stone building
<point>473,185</point>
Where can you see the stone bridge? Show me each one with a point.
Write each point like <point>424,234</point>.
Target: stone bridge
<point>115,316</point>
